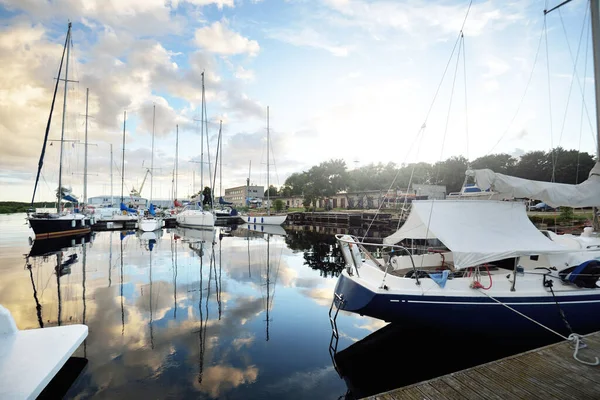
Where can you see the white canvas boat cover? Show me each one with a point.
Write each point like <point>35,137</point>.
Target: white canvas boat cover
<point>476,231</point>
<point>585,194</point>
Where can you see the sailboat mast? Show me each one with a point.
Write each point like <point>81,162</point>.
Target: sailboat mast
<point>85,162</point>
<point>595,16</point>
<point>176,157</point>
<point>112,200</point>
<point>152,156</point>
<point>268,151</point>
<point>41,160</point>
<point>62,132</point>
<point>123,161</point>
<point>220,160</point>
<point>202,141</point>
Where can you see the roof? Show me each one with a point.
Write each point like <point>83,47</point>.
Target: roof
<point>476,231</point>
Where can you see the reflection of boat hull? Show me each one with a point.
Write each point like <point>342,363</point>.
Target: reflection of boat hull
<point>49,226</point>
<point>53,245</point>
<point>150,224</point>
<point>270,229</point>
<point>195,219</point>
<point>196,235</point>
<point>365,375</point>
<point>473,314</point>
<point>265,219</point>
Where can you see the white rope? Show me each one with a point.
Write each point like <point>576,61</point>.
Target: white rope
<point>574,337</point>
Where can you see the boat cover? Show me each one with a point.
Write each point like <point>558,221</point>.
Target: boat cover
<point>476,231</point>
<point>585,194</point>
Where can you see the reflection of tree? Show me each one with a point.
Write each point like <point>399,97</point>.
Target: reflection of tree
<point>321,252</point>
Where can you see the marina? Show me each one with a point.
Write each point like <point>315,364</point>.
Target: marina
<point>424,233</point>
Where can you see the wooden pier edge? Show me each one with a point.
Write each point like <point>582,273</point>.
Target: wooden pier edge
<point>548,372</point>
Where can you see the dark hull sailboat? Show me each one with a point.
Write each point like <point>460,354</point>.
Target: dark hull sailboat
<point>47,225</point>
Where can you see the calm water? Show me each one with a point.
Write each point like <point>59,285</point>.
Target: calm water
<point>185,314</point>
<point>229,313</point>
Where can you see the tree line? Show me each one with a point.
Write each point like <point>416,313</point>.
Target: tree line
<point>332,177</point>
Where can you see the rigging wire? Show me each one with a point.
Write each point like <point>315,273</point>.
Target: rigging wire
<point>421,132</point>
<point>514,117</point>
<point>466,104</point>
<point>573,75</point>
<point>585,58</point>
<point>549,98</point>
<point>448,114</point>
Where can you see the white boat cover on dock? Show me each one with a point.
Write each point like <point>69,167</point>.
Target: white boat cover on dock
<point>585,194</point>
<point>29,359</point>
<point>476,231</point>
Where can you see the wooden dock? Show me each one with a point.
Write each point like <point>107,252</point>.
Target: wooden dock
<point>549,372</point>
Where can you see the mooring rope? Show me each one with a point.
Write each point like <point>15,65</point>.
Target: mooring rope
<point>573,337</point>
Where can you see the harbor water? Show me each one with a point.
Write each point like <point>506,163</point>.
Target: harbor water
<point>237,312</point>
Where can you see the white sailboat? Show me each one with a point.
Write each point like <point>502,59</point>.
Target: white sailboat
<point>151,222</point>
<point>193,215</point>
<point>266,218</point>
<point>493,272</point>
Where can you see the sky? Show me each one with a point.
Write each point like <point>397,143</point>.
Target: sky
<point>359,80</point>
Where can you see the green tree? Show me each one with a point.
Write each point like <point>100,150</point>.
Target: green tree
<point>533,165</point>
<point>295,184</point>
<point>272,191</point>
<point>502,163</point>
<point>278,205</point>
<point>451,173</point>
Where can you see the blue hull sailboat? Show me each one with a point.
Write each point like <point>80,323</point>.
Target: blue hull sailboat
<point>481,266</point>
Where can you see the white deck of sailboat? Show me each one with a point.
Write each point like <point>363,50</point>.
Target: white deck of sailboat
<point>29,359</point>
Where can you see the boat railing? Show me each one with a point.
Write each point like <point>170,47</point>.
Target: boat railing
<point>385,251</point>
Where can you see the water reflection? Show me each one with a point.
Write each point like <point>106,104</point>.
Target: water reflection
<point>228,312</point>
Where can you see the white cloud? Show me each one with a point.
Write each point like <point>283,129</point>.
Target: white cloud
<point>308,37</point>
<point>244,74</point>
<point>218,38</point>
<point>422,20</point>
<point>496,67</point>
<point>219,3</point>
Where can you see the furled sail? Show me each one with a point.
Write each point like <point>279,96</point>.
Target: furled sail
<point>585,194</point>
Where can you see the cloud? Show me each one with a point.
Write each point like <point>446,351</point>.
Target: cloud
<point>420,19</point>
<point>244,74</point>
<point>218,38</point>
<point>221,378</point>
<point>308,37</point>
<point>219,3</point>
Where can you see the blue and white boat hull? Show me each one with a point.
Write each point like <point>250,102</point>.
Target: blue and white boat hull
<point>476,314</point>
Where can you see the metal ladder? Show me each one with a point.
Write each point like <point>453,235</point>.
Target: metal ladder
<point>337,302</point>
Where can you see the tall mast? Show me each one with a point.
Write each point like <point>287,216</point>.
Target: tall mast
<point>176,157</point>
<point>595,16</point>
<point>202,141</point>
<point>220,160</point>
<point>85,169</point>
<point>123,161</point>
<point>41,160</point>
<point>152,156</point>
<point>62,132</point>
<point>112,199</point>
<point>268,151</point>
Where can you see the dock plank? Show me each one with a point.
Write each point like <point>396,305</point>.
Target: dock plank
<point>464,390</point>
<point>550,372</point>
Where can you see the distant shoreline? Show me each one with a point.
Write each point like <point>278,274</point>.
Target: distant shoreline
<point>11,207</point>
